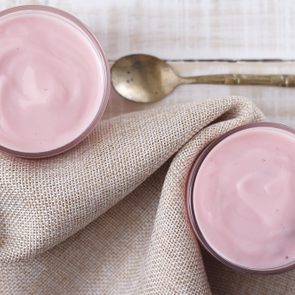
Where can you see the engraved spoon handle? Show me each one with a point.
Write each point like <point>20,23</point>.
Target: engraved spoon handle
<point>242,79</point>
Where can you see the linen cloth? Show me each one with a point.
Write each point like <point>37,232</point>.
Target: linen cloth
<point>108,217</point>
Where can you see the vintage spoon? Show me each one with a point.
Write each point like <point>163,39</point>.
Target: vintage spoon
<point>145,78</point>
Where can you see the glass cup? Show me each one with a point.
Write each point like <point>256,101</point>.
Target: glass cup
<point>191,201</point>
<point>80,28</point>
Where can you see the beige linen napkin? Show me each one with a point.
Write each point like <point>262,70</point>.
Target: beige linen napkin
<point>108,217</point>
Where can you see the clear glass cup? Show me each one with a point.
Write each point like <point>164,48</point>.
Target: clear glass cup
<point>190,202</point>
<point>68,18</point>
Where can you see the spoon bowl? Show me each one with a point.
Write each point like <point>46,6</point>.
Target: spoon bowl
<point>143,78</point>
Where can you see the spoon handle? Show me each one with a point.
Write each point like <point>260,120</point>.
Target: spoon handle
<point>242,79</point>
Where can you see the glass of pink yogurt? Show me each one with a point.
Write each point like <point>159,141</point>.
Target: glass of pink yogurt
<point>54,81</point>
<point>241,198</point>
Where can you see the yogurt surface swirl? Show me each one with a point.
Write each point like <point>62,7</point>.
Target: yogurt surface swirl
<point>244,198</point>
<point>51,82</point>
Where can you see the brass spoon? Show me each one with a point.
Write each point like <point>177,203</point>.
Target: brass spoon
<point>145,78</point>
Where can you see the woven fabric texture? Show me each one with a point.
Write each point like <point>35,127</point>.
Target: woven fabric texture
<point>108,217</point>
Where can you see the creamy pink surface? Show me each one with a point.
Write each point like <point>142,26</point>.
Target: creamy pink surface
<point>51,82</point>
<point>244,198</point>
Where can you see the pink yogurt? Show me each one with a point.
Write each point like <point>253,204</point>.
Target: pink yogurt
<point>242,192</point>
<point>54,81</point>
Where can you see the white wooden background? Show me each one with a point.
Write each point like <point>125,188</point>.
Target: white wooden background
<point>198,37</point>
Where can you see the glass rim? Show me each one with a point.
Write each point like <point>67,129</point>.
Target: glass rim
<point>189,201</point>
<point>105,69</point>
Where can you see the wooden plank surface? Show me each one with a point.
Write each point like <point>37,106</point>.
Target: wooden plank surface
<point>193,34</point>
<point>187,29</point>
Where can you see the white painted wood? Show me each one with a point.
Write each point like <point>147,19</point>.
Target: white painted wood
<point>187,29</point>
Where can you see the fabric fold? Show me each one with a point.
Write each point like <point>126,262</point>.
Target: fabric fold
<point>108,217</point>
